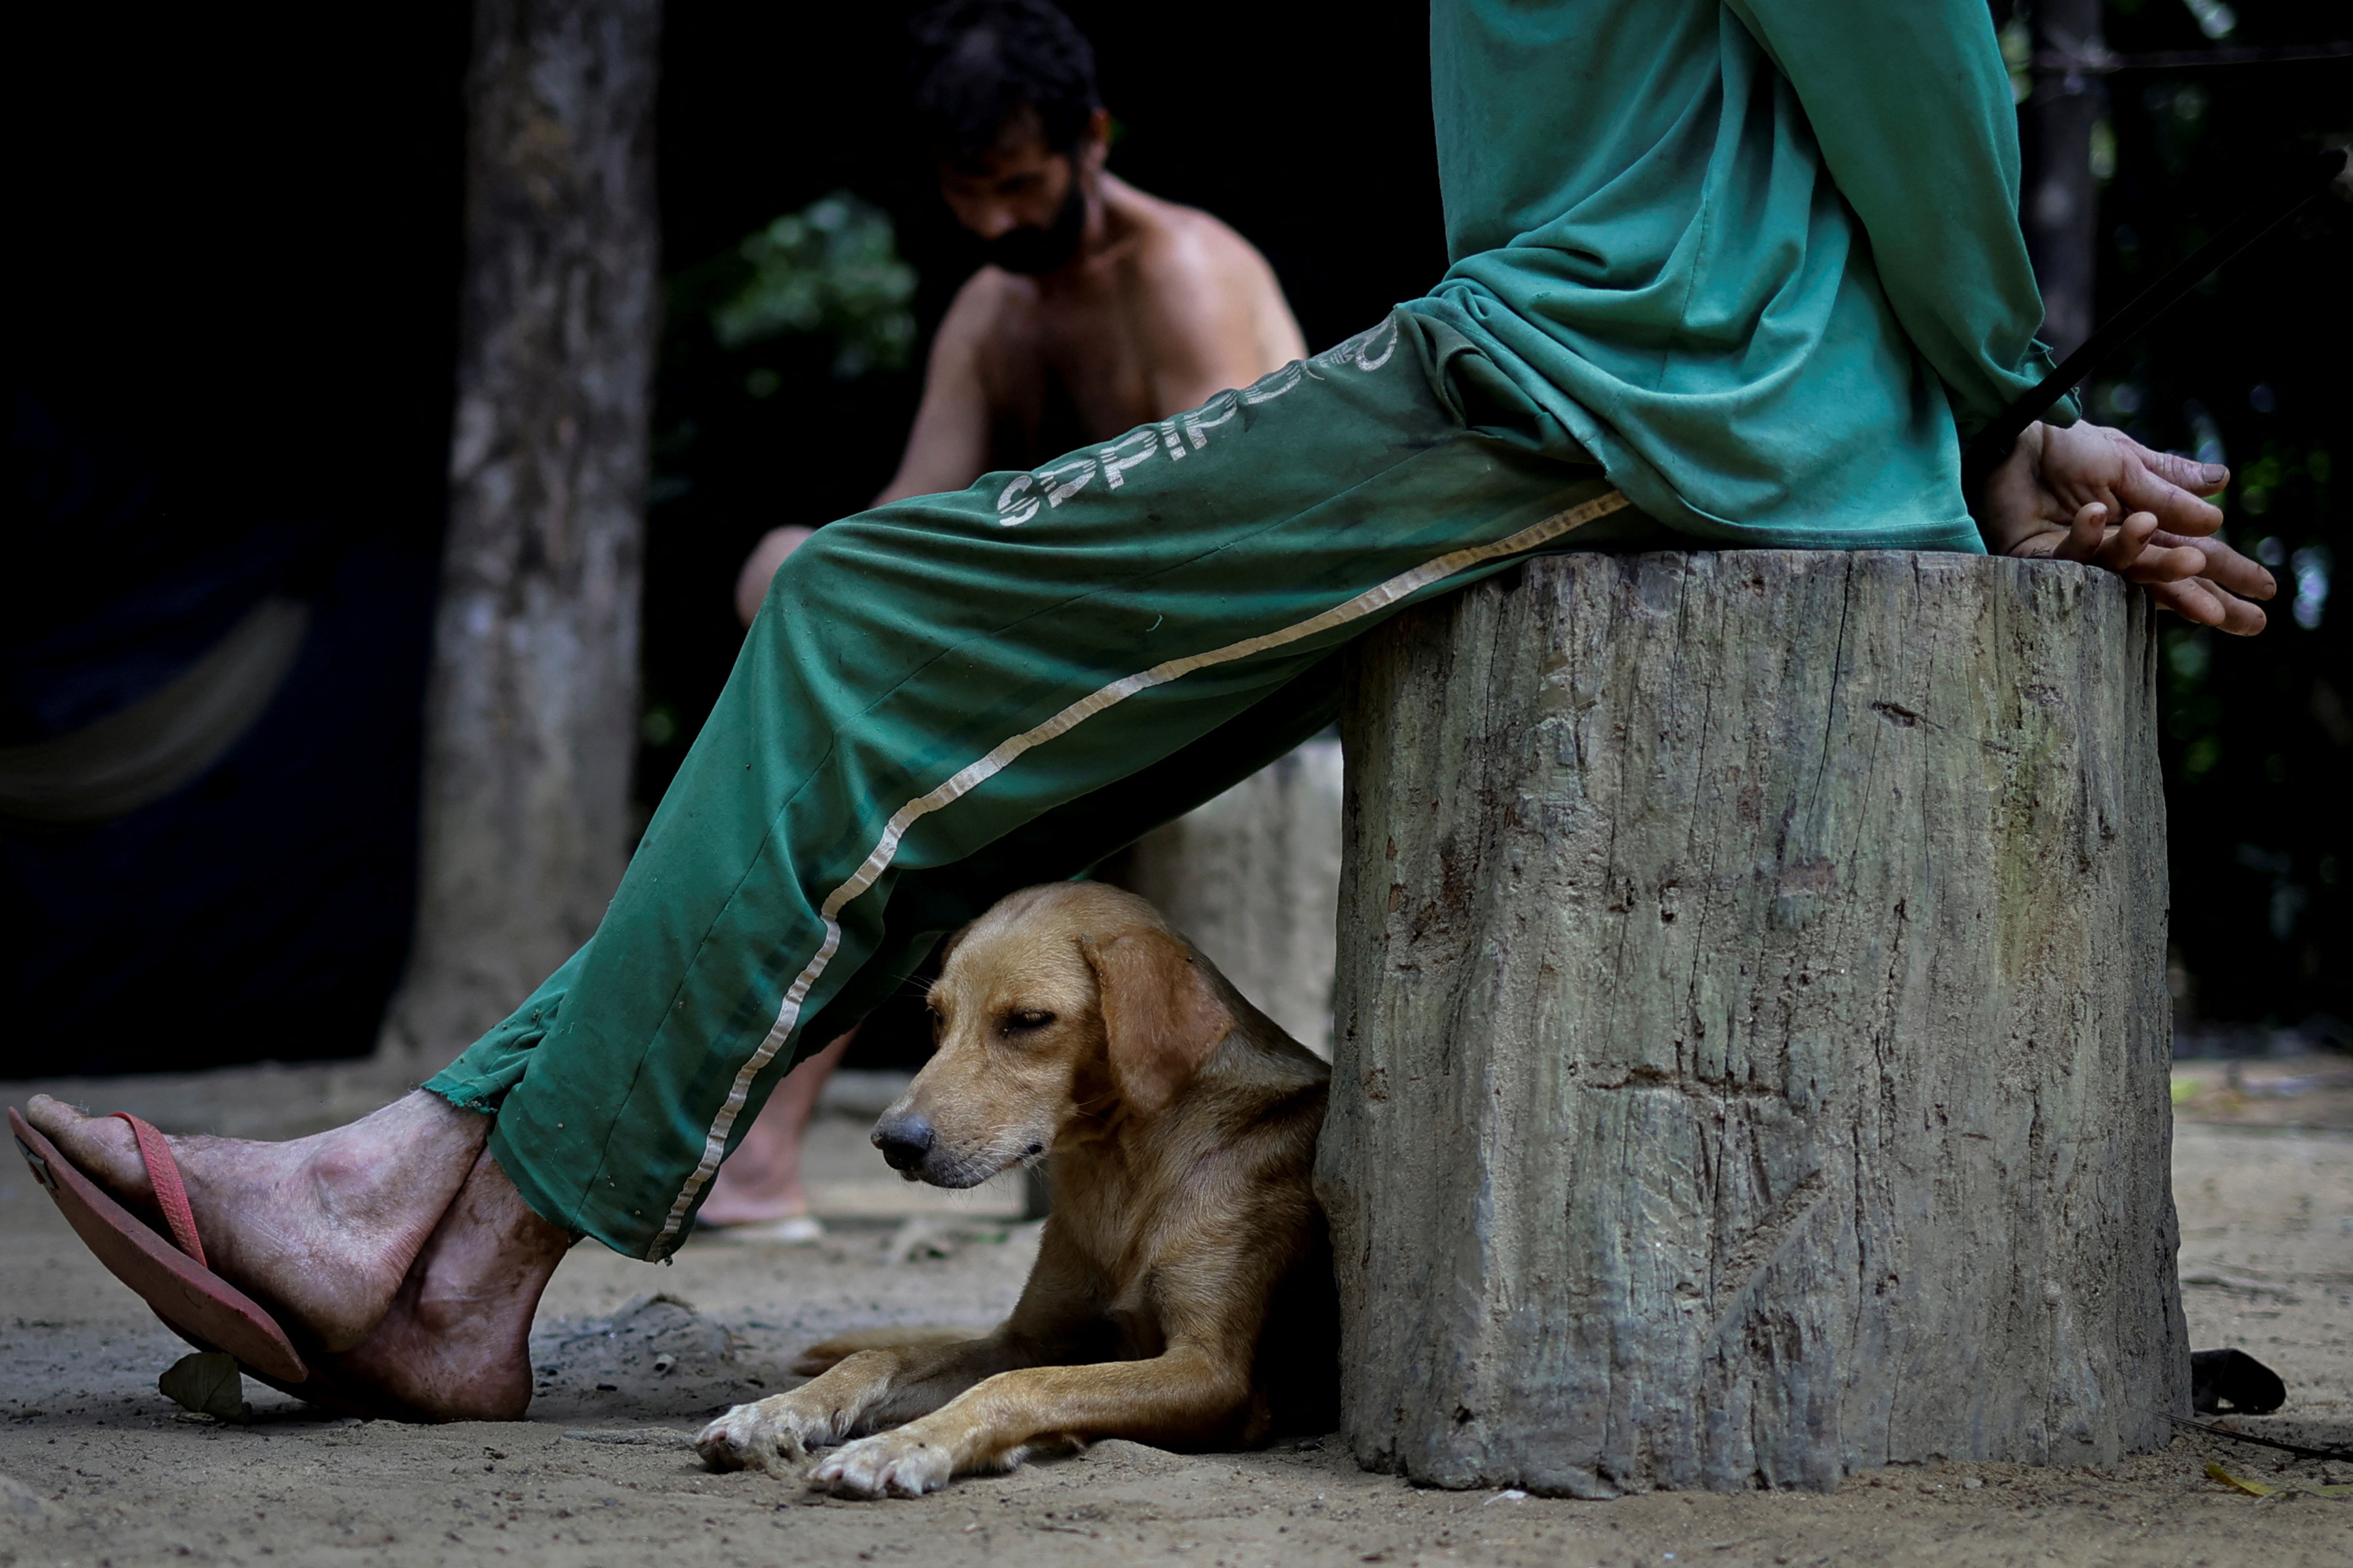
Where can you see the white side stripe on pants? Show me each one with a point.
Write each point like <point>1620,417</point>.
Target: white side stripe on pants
<point>973,775</point>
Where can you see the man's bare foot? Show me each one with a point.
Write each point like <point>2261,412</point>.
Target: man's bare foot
<point>456,1344</point>
<point>322,1229</point>
<point>760,1184</point>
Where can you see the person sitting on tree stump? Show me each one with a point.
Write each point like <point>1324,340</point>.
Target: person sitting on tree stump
<point>1098,308</point>
<point>1726,273</point>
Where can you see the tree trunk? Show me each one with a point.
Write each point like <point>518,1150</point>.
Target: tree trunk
<point>1753,1047</point>
<point>2060,204</point>
<point>1253,879</point>
<point>532,715</point>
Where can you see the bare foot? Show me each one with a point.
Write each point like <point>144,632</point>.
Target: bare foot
<point>760,1184</point>
<point>324,1228</point>
<point>456,1344</point>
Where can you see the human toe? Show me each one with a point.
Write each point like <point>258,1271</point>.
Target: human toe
<point>102,1147</point>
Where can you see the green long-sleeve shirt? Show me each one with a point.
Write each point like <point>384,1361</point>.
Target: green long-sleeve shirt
<point>1760,256</point>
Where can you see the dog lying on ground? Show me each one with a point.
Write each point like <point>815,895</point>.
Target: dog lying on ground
<point>1183,1292</point>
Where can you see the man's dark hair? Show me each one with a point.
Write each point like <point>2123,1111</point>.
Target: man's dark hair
<point>975,63</point>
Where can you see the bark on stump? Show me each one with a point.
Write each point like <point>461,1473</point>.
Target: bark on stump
<point>1753,1046</point>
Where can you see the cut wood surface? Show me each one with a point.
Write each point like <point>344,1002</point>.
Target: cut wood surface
<point>1753,1047</point>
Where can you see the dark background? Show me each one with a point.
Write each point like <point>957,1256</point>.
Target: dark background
<point>2258,733</point>
<point>229,340</point>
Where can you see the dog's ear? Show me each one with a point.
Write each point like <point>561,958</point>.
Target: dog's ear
<point>955,939</point>
<point>1161,1017</point>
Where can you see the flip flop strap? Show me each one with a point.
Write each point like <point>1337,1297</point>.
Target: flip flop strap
<point>171,1193</point>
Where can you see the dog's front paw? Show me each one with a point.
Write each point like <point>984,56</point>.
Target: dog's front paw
<point>774,1435</point>
<point>889,1464</point>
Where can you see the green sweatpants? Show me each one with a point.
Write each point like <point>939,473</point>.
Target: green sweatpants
<point>952,697</point>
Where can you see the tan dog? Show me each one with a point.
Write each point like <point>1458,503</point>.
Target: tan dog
<point>1183,1290</point>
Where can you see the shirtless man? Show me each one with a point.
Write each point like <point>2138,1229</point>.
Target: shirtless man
<point>1099,309</point>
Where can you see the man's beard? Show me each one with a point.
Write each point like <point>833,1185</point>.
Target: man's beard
<point>1038,251</point>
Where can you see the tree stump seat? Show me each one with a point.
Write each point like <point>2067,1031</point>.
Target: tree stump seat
<point>1251,876</point>
<point>1752,1052</point>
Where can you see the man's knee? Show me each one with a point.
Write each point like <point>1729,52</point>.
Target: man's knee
<point>776,546</point>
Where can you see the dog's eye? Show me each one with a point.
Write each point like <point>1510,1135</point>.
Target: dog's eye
<point>1019,1022</point>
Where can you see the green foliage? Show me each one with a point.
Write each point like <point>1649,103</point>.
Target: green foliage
<point>785,386</point>
<point>831,268</point>
<point>821,287</point>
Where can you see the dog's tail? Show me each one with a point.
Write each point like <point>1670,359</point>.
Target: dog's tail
<point>824,1357</point>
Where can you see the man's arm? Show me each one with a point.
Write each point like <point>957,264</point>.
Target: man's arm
<point>1910,106</point>
<point>946,450</point>
<point>948,446</point>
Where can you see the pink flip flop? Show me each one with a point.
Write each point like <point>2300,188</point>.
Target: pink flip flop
<point>194,1303</point>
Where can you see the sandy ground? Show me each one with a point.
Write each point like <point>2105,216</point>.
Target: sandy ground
<point>98,1471</point>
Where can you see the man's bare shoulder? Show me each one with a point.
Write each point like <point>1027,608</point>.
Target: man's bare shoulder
<point>1176,246</point>
<point>1202,296</point>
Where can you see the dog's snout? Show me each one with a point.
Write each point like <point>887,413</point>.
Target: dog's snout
<point>904,1138</point>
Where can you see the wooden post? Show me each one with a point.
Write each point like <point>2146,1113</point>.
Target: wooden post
<point>1753,1049</point>
<point>532,718</point>
<point>1253,877</point>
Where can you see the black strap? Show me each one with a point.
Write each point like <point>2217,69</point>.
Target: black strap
<point>2301,179</point>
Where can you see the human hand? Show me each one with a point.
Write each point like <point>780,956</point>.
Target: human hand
<point>2060,495</point>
